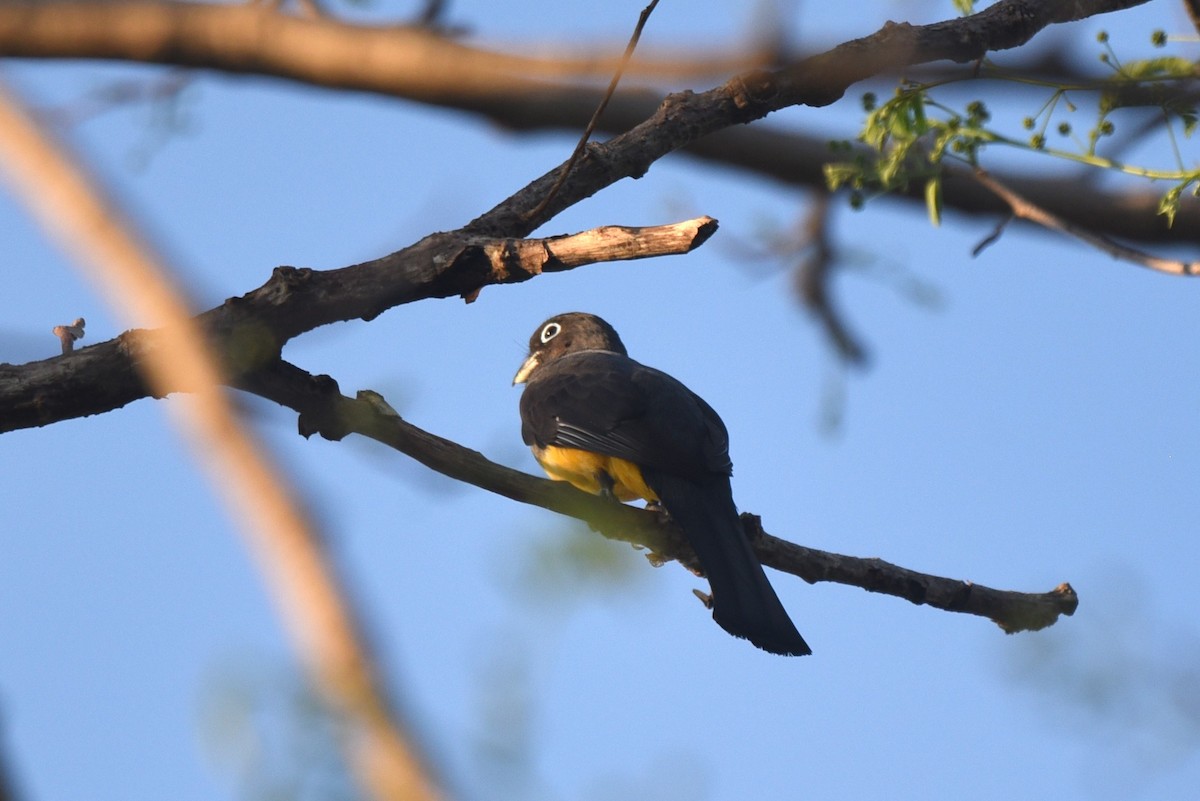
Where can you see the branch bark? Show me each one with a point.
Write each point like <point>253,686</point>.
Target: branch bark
<point>1024,210</point>
<point>526,93</point>
<point>324,410</point>
<point>249,331</point>
<point>415,62</point>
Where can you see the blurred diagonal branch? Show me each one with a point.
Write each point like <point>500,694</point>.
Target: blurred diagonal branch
<point>413,61</point>
<point>324,410</point>
<point>314,607</point>
<point>527,93</point>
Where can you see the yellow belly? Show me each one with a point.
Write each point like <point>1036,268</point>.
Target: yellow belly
<point>583,468</point>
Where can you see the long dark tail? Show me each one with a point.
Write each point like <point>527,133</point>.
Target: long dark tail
<point>744,603</point>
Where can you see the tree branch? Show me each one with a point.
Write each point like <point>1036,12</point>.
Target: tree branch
<point>514,90</point>
<point>324,410</point>
<point>251,330</point>
<point>413,61</point>
<point>687,117</point>
<point>1025,210</point>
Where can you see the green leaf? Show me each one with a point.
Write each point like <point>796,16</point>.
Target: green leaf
<point>1189,119</point>
<point>920,125</point>
<point>939,146</point>
<point>838,174</point>
<point>892,167</point>
<point>1165,67</point>
<point>933,199</point>
<point>1168,205</point>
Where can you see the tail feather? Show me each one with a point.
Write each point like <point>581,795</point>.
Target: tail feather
<point>744,603</point>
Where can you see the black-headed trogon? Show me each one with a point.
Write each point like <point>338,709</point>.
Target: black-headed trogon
<point>608,424</point>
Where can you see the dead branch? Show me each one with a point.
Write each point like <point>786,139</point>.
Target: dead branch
<point>249,331</point>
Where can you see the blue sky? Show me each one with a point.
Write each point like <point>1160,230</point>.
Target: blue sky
<point>1036,425</point>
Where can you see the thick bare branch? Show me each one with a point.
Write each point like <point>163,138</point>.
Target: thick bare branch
<point>325,411</point>
<point>250,330</point>
<point>402,60</point>
<point>412,61</point>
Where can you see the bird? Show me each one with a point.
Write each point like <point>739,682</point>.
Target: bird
<point>612,426</point>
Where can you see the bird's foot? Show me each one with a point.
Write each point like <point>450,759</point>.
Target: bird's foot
<point>705,598</point>
<point>664,517</point>
<point>607,484</point>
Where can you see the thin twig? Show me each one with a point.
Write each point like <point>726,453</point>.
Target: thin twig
<point>1025,210</point>
<point>993,237</point>
<point>595,120</point>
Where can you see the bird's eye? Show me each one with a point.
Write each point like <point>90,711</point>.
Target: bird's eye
<point>550,332</point>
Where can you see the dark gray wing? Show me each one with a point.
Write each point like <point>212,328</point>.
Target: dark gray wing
<point>608,403</point>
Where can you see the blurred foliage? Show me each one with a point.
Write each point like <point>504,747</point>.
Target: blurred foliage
<point>270,734</point>
<point>545,581</point>
<point>1120,677</point>
<point>911,135</point>
<point>571,564</point>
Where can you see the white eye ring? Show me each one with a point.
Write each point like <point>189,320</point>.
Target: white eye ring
<point>550,332</point>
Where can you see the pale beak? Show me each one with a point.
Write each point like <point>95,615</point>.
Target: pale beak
<point>526,368</point>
